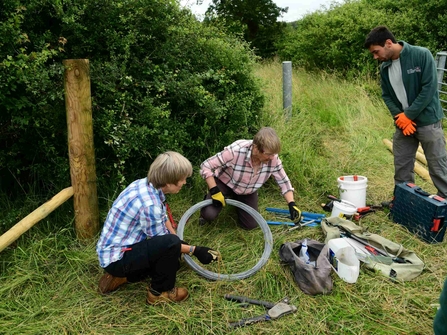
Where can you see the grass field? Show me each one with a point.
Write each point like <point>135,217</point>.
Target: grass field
<point>48,281</point>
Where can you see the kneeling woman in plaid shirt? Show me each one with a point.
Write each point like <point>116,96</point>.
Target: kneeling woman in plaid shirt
<point>240,170</point>
<point>138,241</point>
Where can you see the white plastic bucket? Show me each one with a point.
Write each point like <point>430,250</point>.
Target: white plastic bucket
<point>353,189</point>
<point>343,260</point>
<point>343,209</point>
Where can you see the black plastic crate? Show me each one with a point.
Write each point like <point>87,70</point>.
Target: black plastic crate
<point>422,213</point>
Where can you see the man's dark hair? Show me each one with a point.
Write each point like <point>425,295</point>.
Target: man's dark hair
<point>378,36</point>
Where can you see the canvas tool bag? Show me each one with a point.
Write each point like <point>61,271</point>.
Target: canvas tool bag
<point>410,269</point>
<point>311,279</point>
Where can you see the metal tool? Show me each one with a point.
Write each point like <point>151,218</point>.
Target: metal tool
<point>274,311</point>
<point>365,243</point>
<point>365,256</point>
<point>285,212</point>
<point>307,218</point>
<point>333,198</point>
<point>308,223</point>
<point>311,223</point>
<point>279,223</point>
<point>361,211</point>
<point>374,251</point>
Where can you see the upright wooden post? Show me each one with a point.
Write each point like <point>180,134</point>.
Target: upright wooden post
<point>80,147</point>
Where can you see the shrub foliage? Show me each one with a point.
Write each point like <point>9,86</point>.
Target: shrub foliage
<point>160,81</point>
<point>256,21</point>
<point>333,39</point>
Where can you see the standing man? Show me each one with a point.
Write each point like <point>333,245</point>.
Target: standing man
<point>240,170</point>
<point>410,91</point>
<point>138,241</point>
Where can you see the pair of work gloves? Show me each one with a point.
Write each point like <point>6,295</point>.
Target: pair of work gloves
<point>407,126</point>
<point>219,200</point>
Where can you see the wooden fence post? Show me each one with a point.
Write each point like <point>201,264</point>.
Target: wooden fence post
<point>80,147</point>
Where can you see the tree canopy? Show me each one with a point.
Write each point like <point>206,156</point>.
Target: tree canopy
<point>160,81</point>
<point>332,40</point>
<point>257,20</point>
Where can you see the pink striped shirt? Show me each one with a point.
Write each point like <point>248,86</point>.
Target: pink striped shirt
<point>233,167</point>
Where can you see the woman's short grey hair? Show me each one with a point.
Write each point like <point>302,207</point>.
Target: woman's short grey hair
<point>169,168</point>
<point>267,140</point>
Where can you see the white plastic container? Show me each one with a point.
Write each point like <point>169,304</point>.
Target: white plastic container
<point>343,209</point>
<point>353,189</point>
<point>304,254</point>
<point>343,260</point>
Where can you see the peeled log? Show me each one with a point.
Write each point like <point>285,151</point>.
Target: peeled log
<point>81,149</point>
<point>421,158</point>
<point>31,219</point>
<point>418,168</point>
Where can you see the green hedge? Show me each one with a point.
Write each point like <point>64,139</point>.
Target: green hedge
<point>332,40</point>
<point>160,81</point>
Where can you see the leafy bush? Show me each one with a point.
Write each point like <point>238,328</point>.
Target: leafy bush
<point>29,100</point>
<point>332,40</point>
<point>160,81</point>
<point>256,21</point>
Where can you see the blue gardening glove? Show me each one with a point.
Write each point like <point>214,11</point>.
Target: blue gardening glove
<point>206,255</point>
<point>217,196</point>
<point>295,213</point>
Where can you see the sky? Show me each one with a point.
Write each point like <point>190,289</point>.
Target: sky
<point>297,8</point>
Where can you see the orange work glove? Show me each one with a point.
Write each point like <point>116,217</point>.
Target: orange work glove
<point>409,130</point>
<point>402,121</point>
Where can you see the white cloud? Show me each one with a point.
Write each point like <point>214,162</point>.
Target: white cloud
<point>297,8</point>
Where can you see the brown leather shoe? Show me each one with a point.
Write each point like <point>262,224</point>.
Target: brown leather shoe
<point>109,283</point>
<point>177,294</point>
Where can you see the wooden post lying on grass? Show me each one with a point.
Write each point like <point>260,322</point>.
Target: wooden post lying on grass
<point>420,149</point>
<point>418,168</point>
<point>31,219</point>
<point>80,147</point>
<point>421,158</point>
<point>419,153</point>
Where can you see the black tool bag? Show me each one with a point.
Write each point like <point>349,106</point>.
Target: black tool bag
<point>311,279</point>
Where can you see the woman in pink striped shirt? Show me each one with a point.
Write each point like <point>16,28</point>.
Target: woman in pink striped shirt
<point>240,170</point>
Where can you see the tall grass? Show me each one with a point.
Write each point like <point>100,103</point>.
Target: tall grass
<point>48,281</point>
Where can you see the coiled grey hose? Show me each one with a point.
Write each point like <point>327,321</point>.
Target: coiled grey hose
<point>217,276</point>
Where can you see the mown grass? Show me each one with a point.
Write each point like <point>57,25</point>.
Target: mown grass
<point>48,281</point>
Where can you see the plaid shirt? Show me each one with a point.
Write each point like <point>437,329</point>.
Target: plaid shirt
<point>138,213</point>
<point>233,167</point>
